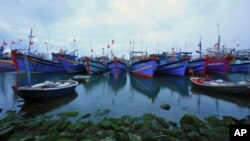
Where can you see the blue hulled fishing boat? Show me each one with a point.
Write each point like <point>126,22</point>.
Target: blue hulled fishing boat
<point>197,66</point>
<point>37,64</point>
<point>5,61</point>
<point>69,61</point>
<point>142,65</point>
<point>170,65</point>
<point>173,68</point>
<point>243,67</point>
<point>93,66</point>
<point>116,67</point>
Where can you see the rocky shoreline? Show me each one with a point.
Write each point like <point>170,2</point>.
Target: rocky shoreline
<point>148,127</point>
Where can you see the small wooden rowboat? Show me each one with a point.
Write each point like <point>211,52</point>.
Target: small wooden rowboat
<point>220,86</point>
<point>47,90</point>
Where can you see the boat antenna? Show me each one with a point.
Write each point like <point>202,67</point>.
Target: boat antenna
<point>46,43</point>
<point>200,46</point>
<point>218,38</point>
<point>30,36</point>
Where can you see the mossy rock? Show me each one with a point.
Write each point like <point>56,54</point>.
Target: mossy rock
<point>107,124</point>
<point>69,114</point>
<point>219,134</point>
<point>165,106</point>
<point>149,116</point>
<point>190,122</point>
<point>227,120</point>
<point>162,122</point>
<point>85,116</point>
<point>11,116</point>
<point>134,137</point>
<point>214,121</point>
<point>77,127</point>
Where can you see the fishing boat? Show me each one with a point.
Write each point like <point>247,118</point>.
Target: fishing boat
<point>240,66</point>
<point>218,65</point>
<point>43,91</point>
<point>5,61</point>
<point>117,67</point>
<point>218,61</point>
<point>221,86</point>
<point>47,90</point>
<point>37,64</point>
<point>197,66</point>
<point>68,61</point>
<point>170,65</point>
<point>142,65</point>
<point>93,66</point>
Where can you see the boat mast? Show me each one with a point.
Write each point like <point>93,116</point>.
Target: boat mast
<point>30,36</point>
<point>200,46</point>
<point>218,38</point>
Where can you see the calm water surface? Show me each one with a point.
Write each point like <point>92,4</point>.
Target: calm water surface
<point>126,95</point>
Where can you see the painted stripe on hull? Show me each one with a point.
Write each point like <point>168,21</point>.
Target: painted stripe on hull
<point>71,67</point>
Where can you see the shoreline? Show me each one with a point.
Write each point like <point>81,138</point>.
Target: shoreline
<point>125,128</point>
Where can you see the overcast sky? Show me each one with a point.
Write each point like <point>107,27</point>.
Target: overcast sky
<point>94,23</point>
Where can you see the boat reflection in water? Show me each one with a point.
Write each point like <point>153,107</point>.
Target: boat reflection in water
<point>237,99</point>
<point>174,83</point>
<point>35,109</point>
<point>117,82</point>
<point>145,86</point>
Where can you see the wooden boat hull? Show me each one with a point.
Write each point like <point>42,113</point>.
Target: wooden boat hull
<point>71,66</point>
<point>173,68</point>
<point>36,64</point>
<point>234,89</point>
<point>197,66</point>
<point>94,67</point>
<point>6,65</point>
<point>243,67</point>
<point>33,94</point>
<point>145,68</point>
<point>117,67</point>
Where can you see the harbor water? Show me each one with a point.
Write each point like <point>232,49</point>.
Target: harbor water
<point>126,95</point>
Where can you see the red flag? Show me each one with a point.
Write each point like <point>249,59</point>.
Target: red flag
<point>13,42</point>
<point>5,43</point>
<point>20,40</point>
<point>113,41</point>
